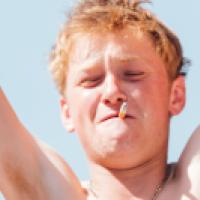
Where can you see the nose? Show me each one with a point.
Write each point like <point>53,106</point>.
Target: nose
<point>113,93</point>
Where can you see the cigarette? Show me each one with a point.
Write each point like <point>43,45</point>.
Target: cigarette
<point>123,110</point>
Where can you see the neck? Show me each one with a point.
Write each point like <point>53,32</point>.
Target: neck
<point>135,183</point>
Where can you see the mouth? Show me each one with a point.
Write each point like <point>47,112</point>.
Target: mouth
<point>112,116</point>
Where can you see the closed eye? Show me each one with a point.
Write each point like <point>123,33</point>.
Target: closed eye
<point>135,75</point>
<point>91,82</point>
<point>129,73</point>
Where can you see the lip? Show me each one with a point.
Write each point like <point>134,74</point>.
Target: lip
<point>113,115</point>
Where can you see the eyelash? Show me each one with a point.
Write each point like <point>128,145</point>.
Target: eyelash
<point>88,83</point>
<point>134,75</point>
<point>92,82</point>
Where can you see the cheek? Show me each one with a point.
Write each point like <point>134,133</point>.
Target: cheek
<point>83,104</point>
<point>84,110</point>
<point>157,108</point>
<point>151,99</point>
<point>151,102</point>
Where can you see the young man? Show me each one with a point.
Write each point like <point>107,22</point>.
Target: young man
<point>109,54</point>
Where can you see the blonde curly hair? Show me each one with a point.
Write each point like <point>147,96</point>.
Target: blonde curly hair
<point>92,16</point>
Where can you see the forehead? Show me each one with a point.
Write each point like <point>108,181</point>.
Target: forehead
<point>124,45</point>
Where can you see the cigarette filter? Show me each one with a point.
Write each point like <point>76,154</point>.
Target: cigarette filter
<point>123,110</point>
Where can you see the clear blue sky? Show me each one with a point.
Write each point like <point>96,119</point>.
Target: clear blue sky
<point>28,30</point>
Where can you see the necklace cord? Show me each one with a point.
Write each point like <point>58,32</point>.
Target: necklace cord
<point>170,171</point>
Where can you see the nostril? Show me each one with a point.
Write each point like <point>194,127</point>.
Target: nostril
<point>106,101</point>
<point>114,97</point>
<point>113,101</point>
<point>120,100</point>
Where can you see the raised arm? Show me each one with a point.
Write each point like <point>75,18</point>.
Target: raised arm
<point>188,168</point>
<point>185,183</point>
<point>25,169</point>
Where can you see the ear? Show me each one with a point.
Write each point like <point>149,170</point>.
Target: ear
<point>66,116</point>
<point>177,96</point>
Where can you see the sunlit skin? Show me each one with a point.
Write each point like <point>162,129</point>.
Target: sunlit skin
<point>110,70</point>
<point>127,157</point>
<point>103,72</point>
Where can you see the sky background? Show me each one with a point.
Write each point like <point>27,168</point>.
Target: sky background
<point>28,30</point>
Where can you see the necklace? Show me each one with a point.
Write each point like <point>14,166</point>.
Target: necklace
<point>159,188</point>
<point>170,171</point>
<point>169,174</point>
<point>155,195</point>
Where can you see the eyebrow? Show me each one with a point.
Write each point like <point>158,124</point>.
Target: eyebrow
<point>87,63</point>
<point>127,58</point>
<point>85,66</point>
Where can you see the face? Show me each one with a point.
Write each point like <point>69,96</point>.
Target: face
<point>104,71</point>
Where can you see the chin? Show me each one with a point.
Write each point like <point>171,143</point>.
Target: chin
<point>114,149</point>
<point>119,133</point>
<point>118,161</point>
